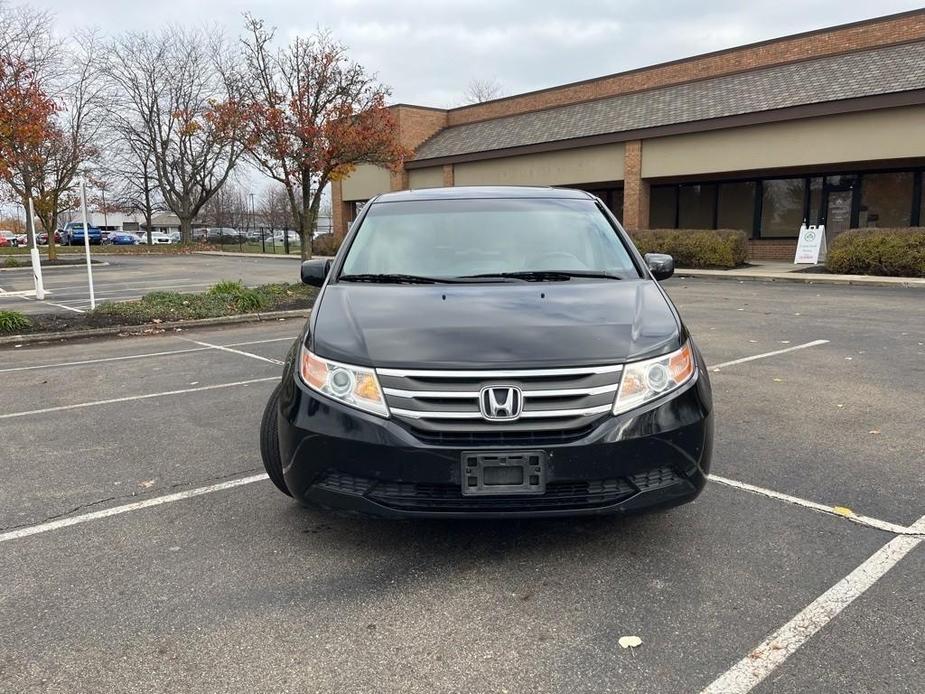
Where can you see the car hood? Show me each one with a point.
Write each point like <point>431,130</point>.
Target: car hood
<point>471,326</point>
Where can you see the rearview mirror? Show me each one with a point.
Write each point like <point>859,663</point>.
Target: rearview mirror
<point>315,271</point>
<point>661,265</point>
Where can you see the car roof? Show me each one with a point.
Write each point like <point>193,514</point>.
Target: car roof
<point>482,192</point>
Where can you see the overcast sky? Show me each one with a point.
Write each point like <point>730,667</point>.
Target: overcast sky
<point>428,50</point>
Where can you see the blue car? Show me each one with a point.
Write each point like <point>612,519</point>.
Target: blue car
<point>74,232</point>
<point>120,238</point>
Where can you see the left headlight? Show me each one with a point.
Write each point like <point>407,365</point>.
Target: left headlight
<point>356,386</point>
<point>650,379</point>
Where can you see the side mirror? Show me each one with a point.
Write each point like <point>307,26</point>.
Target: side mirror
<point>661,265</point>
<point>315,271</point>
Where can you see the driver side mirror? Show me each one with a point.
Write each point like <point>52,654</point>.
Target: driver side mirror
<point>315,271</point>
<point>661,265</point>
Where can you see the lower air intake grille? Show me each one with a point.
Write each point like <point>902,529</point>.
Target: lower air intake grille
<point>448,497</point>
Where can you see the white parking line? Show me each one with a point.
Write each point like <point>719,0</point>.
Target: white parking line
<point>770,653</point>
<point>125,357</point>
<point>224,348</point>
<point>130,398</point>
<point>125,508</point>
<point>723,365</point>
<point>840,511</point>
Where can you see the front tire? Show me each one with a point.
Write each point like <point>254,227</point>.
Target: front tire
<point>269,442</point>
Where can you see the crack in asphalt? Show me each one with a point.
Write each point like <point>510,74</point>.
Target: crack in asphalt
<point>133,495</point>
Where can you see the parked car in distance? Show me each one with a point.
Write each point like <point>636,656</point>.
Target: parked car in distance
<point>175,236</point>
<point>8,239</point>
<point>74,232</point>
<point>122,238</point>
<point>280,236</point>
<point>490,352</point>
<point>158,238</point>
<point>42,238</point>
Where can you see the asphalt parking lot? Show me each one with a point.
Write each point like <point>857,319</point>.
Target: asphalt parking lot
<point>142,549</point>
<point>126,277</point>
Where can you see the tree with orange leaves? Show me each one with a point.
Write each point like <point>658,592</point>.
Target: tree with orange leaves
<point>25,127</point>
<point>314,115</point>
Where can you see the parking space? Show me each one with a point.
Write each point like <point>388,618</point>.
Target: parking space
<point>116,577</point>
<point>127,277</point>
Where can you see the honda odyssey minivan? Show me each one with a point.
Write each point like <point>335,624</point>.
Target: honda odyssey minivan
<point>490,352</point>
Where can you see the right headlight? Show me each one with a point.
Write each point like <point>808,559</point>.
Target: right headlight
<point>650,379</point>
<point>356,386</point>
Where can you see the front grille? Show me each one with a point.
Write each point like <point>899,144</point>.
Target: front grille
<point>500,437</point>
<point>560,495</point>
<point>442,407</point>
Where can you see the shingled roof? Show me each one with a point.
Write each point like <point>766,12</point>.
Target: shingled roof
<point>852,75</point>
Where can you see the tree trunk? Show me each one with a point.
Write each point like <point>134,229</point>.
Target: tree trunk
<point>306,228</point>
<point>186,229</point>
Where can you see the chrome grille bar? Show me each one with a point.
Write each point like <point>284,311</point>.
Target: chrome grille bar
<point>505,373</point>
<point>527,414</point>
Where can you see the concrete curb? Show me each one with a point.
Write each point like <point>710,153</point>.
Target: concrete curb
<point>805,278</point>
<point>279,256</point>
<point>33,338</point>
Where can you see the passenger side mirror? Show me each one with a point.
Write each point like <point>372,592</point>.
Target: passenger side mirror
<point>661,265</point>
<point>315,271</point>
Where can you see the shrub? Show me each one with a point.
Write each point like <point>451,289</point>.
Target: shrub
<point>892,252</point>
<point>13,322</point>
<point>326,244</point>
<point>695,248</point>
<point>11,262</point>
<point>243,299</point>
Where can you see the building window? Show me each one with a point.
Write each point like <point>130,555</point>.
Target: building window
<point>663,207</point>
<point>697,206</point>
<point>815,213</point>
<point>886,200</point>
<point>782,207</point>
<point>736,206</point>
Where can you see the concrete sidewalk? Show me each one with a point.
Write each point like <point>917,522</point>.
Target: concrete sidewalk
<point>788,272</point>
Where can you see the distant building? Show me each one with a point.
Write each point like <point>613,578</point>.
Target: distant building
<point>827,126</point>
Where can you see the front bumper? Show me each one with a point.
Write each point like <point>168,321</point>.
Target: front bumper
<point>654,457</point>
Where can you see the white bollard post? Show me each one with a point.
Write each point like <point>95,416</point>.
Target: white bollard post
<point>83,204</point>
<point>34,254</point>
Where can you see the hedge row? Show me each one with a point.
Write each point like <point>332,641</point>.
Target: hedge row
<point>891,252</point>
<point>695,248</point>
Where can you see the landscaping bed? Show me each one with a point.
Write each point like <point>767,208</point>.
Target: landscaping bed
<point>720,249</point>
<point>12,261</point>
<point>107,249</point>
<point>223,299</point>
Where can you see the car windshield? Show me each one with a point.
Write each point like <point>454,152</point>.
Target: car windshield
<point>463,238</point>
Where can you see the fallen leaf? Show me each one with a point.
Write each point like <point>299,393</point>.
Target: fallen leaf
<point>839,406</point>
<point>843,511</point>
<point>874,431</point>
<point>630,642</point>
<point>147,484</point>
<point>778,380</point>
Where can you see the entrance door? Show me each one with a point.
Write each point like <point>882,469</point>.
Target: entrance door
<point>837,212</point>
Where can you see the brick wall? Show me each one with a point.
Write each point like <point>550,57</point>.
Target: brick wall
<point>416,124</point>
<point>894,29</point>
<point>772,249</point>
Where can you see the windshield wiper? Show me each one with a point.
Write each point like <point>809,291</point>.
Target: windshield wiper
<point>548,275</point>
<point>392,278</point>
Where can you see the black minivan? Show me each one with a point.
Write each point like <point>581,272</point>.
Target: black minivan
<point>490,352</point>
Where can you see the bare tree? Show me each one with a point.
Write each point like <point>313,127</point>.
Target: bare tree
<point>274,208</point>
<point>181,94</point>
<point>129,171</point>
<point>479,91</point>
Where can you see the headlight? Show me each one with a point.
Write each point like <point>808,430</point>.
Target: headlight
<point>646,380</point>
<point>356,386</point>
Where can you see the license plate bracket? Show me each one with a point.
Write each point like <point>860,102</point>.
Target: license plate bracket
<point>502,473</point>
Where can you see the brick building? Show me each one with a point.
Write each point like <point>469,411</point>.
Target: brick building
<point>826,126</point>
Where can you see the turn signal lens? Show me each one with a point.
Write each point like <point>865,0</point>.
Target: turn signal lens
<point>646,380</point>
<point>356,386</point>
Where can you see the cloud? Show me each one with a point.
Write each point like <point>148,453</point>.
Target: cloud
<point>428,50</point>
